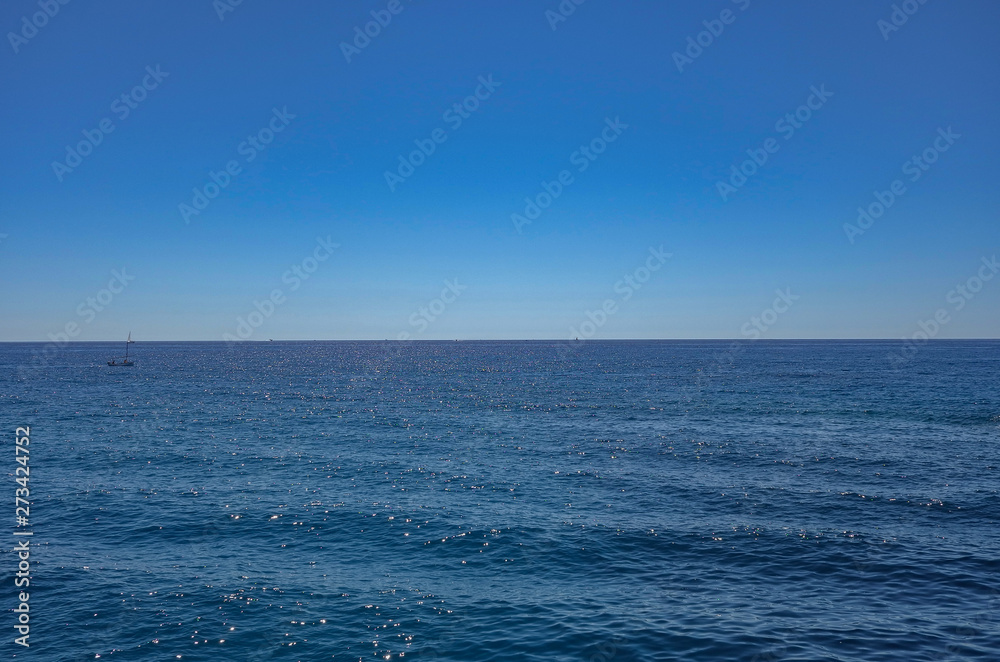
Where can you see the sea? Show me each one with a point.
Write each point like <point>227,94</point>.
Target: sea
<point>600,501</point>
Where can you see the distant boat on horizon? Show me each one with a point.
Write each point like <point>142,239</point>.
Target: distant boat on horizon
<point>124,361</point>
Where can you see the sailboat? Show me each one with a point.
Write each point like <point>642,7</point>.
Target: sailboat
<point>124,361</point>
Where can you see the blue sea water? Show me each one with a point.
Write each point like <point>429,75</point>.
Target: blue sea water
<point>763,501</point>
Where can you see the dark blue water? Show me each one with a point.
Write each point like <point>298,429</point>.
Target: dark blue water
<point>794,501</point>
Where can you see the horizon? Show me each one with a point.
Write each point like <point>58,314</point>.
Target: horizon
<point>499,340</point>
<point>719,170</point>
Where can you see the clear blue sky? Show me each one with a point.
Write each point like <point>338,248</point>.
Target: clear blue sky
<point>655,185</point>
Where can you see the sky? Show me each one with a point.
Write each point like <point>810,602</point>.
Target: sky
<point>601,170</point>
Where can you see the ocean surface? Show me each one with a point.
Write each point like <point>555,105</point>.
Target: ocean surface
<point>514,501</point>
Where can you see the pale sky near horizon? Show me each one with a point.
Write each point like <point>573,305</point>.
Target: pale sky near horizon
<point>123,117</point>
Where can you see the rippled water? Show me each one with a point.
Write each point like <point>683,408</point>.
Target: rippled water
<point>504,501</point>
